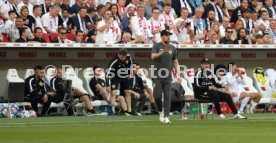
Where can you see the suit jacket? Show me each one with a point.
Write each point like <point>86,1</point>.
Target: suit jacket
<point>76,22</point>
<point>234,16</point>
<point>270,13</point>
<point>208,8</point>
<point>176,5</point>
<point>43,10</point>
<point>125,23</point>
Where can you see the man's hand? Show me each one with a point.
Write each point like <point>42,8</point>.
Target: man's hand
<point>212,88</point>
<point>51,93</point>
<point>45,98</point>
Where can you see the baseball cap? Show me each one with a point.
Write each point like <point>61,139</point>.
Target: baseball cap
<point>165,32</point>
<point>204,60</point>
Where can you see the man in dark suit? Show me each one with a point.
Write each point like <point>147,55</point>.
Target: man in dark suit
<point>23,35</point>
<point>210,20</point>
<point>126,19</point>
<point>210,7</point>
<point>65,21</point>
<point>79,20</point>
<point>46,6</point>
<point>269,8</point>
<point>176,5</point>
<point>38,35</point>
<point>239,10</point>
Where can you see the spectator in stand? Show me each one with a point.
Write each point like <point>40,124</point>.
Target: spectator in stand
<point>224,25</point>
<point>228,36</point>
<point>133,3</point>
<point>38,35</point>
<point>79,20</point>
<point>177,5</point>
<point>169,22</point>
<point>267,39</point>
<point>91,36</point>
<point>247,21</point>
<point>213,38</point>
<point>91,17</point>
<point>46,6</point>
<point>139,26</point>
<point>27,4</point>
<point>212,7</point>
<point>7,6</point>
<point>126,19</point>
<point>148,8</point>
<point>2,23</point>
<point>91,4</point>
<point>58,2</point>
<point>195,4</point>
<point>13,32</point>
<point>272,30</point>
<point>66,21</point>
<point>264,19</point>
<point>50,20</point>
<point>231,4</point>
<point>238,26</point>
<point>23,35</point>
<point>62,36</point>
<point>215,29</point>
<point>108,5</point>
<point>11,21</point>
<point>155,26</point>
<point>76,7</point>
<point>100,12</point>
<point>243,37</point>
<point>199,25</point>
<point>114,10</point>
<point>66,5</point>
<point>79,36</point>
<point>268,6</point>
<point>222,11</point>
<point>210,20</point>
<point>122,8</point>
<point>240,9</point>
<point>37,11</point>
<point>255,5</point>
<point>28,19</point>
<point>255,18</point>
<point>259,39</point>
<point>126,39</point>
<point>108,30</point>
<point>185,27</point>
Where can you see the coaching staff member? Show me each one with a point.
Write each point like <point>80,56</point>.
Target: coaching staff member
<point>206,87</point>
<point>163,55</point>
<point>118,74</point>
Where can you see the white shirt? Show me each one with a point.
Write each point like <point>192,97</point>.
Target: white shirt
<point>5,8</point>
<point>153,25</point>
<point>232,4</point>
<point>50,22</point>
<point>139,27</point>
<point>234,82</point>
<point>105,1</point>
<point>110,35</point>
<point>222,31</point>
<point>39,23</point>
<point>184,3</point>
<point>9,23</point>
<point>169,20</point>
<point>36,2</point>
<point>183,35</point>
<point>265,23</point>
<point>216,12</point>
<point>2,24</point>
<point>30,7</point>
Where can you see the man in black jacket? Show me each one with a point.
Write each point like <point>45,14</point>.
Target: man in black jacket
<point>23,35</point>
<point>241,9</point>
<point>206,87</point>
<point>36,90</point>
<point>269,8</point>
<point>38,35</point>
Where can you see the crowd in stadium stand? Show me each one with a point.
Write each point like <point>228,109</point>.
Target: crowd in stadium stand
<point>138,21</point>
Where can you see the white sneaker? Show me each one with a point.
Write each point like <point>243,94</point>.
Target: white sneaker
<point>161,116</point>
<point>184,118</point>
<point>221,116</point>
<point>240,112</point>
<point>238,116</point>
<point>166,120</point>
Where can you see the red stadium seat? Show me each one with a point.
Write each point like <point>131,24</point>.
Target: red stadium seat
<point>46,38</point>
<point>53,36</point>
<point>5,38</point>
<point>71,36</point>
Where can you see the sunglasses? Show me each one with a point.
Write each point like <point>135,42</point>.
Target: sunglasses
<point>230,32</point>
<point>63,33</point>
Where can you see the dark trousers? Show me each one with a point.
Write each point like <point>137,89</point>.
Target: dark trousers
<point>142,101</point>
<point>162,88</point>
<point>35,99</point>
<point>216,97</point>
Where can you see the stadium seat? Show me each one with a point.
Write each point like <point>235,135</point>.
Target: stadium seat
<point>271,74</point>
<point>53,36</point>
<point>46,38</point>
<point>12,76</point>
<point>70,36</point>
<point>76,81</point>
<point>50,73</point>
<point>28,73</point>
<point>189,76</point>
<point>88,75</point>
<point>248,82</point>
<point>5,38</point>
<point>263,88</point>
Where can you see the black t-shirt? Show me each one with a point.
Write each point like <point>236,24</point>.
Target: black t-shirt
<point>224,40</point>
<point>93,82</point>
<point>31,21</point>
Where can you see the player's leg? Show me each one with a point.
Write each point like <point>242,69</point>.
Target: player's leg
<point>114,88</point>
<point>157,93</point>
<point>243,98</point>
<point>228,99</point>
<point>122,102</point>
<point>84,98</point>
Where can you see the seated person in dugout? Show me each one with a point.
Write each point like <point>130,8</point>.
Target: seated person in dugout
<point>58,86</point>
<point>101,90</point>
<point>235,81</point>
<point>206,87</point>
<point>36,91</point>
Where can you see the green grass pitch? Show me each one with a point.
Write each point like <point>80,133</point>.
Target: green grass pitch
<point>259,128</point>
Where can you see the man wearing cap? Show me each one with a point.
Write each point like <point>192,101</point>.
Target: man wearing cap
<point>162,55</point>
<point>206,87</point>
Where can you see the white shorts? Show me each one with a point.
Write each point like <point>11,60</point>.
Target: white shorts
<point>239,92</point>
